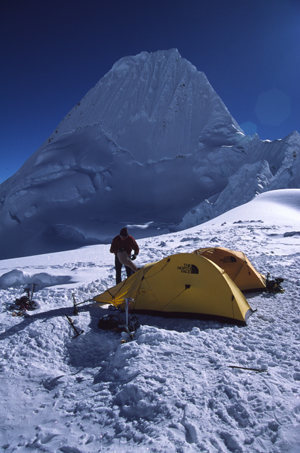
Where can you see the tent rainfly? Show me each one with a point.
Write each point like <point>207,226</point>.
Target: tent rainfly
<point>183,283</point>
<point>237,266</point>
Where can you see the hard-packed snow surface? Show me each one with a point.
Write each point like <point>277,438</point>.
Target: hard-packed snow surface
<point>151,144</point>
<point>174,388</point>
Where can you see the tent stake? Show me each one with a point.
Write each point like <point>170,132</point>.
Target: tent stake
<point>76,304</point>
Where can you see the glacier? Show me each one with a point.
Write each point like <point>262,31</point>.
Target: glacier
<point>153,146</point>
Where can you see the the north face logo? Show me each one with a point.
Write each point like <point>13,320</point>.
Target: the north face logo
<point>188,269</point>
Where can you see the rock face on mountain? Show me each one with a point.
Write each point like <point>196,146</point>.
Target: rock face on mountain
<point>145,147</point>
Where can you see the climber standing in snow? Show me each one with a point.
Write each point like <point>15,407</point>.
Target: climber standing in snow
<point>122,246</point>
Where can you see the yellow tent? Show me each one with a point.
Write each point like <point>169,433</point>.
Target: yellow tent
<point>236,265</point>
<point>181,283</point>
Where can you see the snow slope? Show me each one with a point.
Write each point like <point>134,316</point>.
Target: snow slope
<point>151,144</point>
<point>173,387</point>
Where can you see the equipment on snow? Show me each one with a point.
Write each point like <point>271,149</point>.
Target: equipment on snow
<point>25,303</point>
<point>274,286</point>
<point>115,321</point>
<point>76,330</point>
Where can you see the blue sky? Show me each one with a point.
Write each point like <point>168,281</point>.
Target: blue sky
<point>53,52</point>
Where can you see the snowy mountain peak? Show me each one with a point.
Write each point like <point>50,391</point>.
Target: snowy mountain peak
<point>125,62</point>
<point>153,104</point>
<point>147,145</point>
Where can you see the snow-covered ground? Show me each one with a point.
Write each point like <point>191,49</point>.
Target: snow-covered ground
<point>171,389</point>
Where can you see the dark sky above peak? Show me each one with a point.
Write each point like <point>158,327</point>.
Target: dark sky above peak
<point>53,52</point>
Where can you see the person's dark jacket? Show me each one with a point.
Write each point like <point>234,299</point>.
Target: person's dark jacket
<point>127,244</point>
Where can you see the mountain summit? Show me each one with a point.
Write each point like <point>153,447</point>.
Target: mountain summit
<point>145,147</point>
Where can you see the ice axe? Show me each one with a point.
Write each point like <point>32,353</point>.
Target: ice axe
<point>71,322</point>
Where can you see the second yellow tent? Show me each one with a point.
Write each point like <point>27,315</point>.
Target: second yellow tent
<point>236,265</point>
